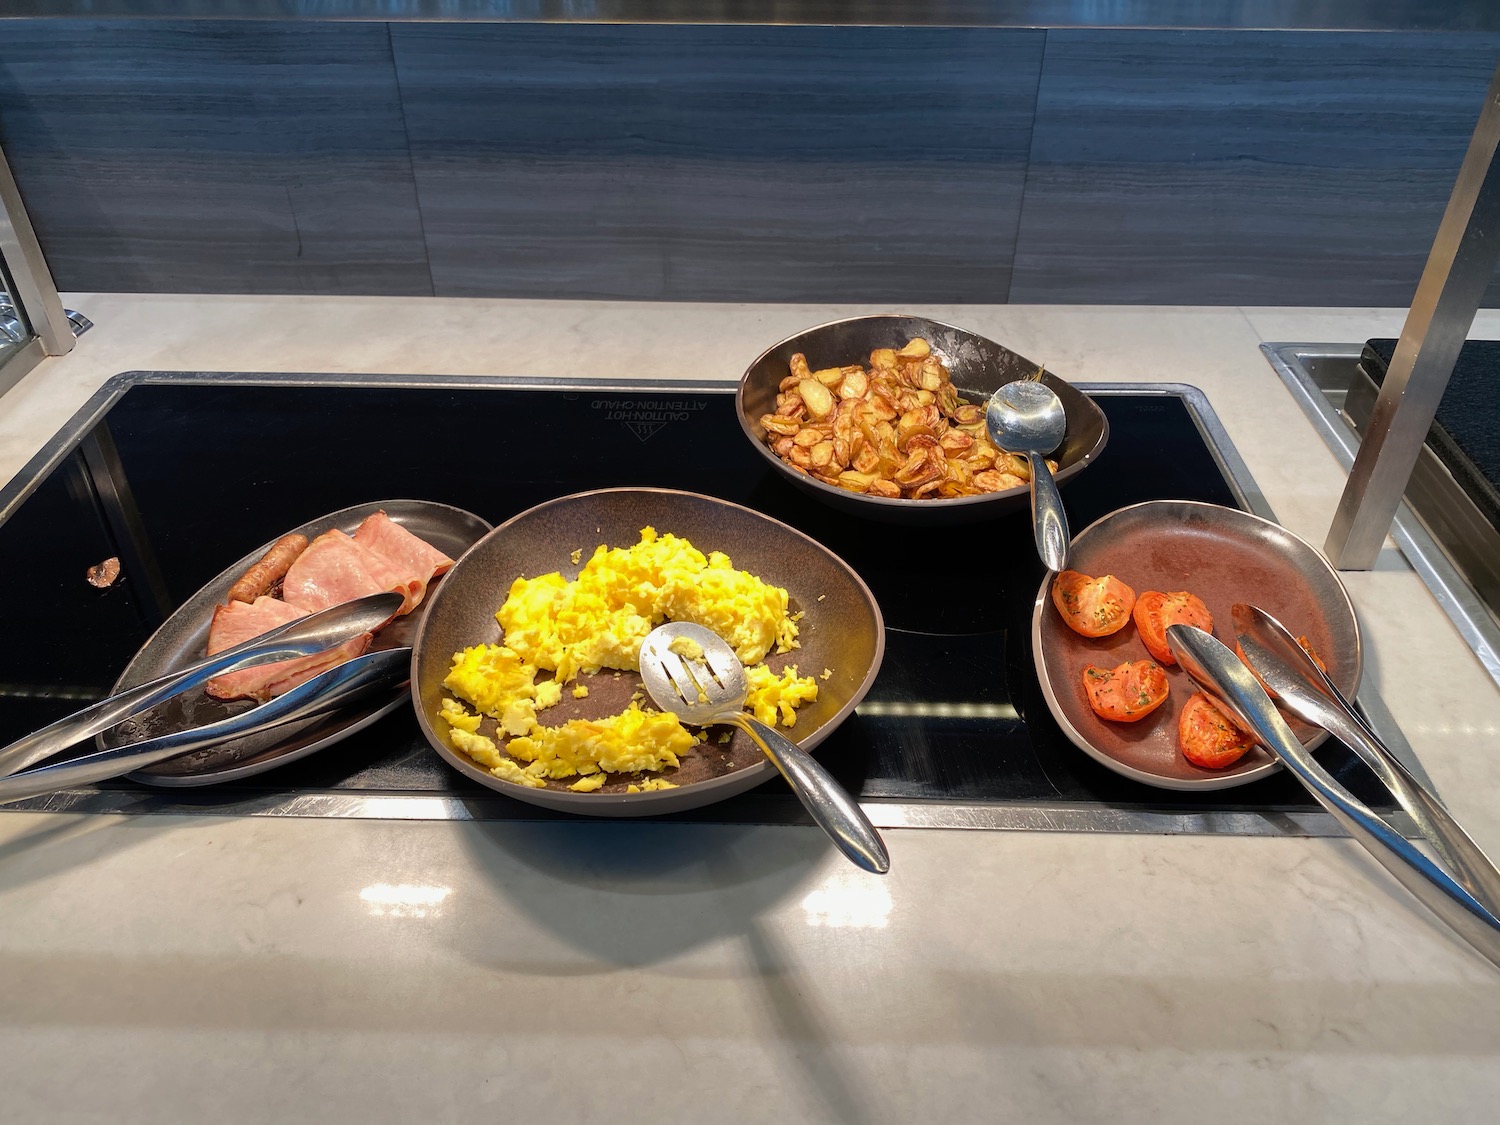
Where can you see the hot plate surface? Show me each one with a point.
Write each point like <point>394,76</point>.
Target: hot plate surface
<point>186,471</point>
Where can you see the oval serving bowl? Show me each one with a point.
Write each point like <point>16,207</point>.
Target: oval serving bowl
<point>1224,556</point>
<point>978,366</point>
<point>841,632</point>
<point>183,638</point>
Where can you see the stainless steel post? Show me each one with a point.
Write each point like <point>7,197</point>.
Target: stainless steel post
<point>1458,270</point>
<point>35,292</point>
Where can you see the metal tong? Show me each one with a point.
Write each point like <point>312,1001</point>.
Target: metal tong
<point>307,636</point>
<point>1305,690</point>
<point>1217,670</point>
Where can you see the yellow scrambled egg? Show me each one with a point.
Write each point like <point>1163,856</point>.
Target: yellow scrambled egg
<point>598,621</point>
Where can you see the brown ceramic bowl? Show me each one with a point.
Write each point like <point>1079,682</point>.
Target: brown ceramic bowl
<point>1224,556</point>
<point>979,367</point>
<point>841,631</point>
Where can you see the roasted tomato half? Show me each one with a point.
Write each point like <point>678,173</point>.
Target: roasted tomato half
<point>1308,648</point>
<point>1208,737</point>
<point>1154,611</point>
<point>1095,607</point>
<point>1127,693</point>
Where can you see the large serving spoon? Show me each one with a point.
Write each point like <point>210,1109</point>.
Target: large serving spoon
<point>1027,417</point>
<point>1306,691</point>
<point>306,636</point>
<point>1217,670</point>
<point>692,672</point>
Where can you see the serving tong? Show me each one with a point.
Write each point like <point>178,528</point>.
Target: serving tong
<point>1467,903</point>
<point>306,636</point>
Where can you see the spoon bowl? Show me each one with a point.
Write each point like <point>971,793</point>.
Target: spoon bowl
<point>1027,417</point>
<point>692,672</point>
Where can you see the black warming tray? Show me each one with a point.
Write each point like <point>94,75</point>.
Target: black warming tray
<point>177,472</point>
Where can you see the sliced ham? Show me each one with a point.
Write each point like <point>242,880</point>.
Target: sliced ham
<point>237,623</point>
<point>334,569</point>
<point>266,681</point>
<point>415,559</point>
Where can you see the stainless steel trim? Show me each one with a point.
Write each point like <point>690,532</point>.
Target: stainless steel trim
<point>34,291</point>
<point>1453,282</point>
<point>1112,820</point>
<point>883,814</point>
<point>1297,365</point>
<point>1339,15</point>
<point>18,363</point>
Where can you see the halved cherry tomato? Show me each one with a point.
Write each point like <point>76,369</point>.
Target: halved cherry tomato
<point>1154,611</point>
<point>1208,737</point>
<point>1095,607</point>
<point>1128,693</point>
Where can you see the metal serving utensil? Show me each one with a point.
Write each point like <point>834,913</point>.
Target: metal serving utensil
<point>328,691</point>
<point>1306,691</point>
<point>1027,417</point>
<point>315,633</point>
<point>708,686</point>
<point>1217,670</point>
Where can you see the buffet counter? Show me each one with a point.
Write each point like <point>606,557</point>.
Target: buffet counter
<point>278,968</point>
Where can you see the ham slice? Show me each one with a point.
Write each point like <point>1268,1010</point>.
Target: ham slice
<point>335,569</point>
<point>415,559</point>
<point>238,622</point>
<point>266,681</point>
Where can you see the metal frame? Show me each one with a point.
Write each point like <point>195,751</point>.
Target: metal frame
<point>35,294</point>
<point>883,813</point>
<point>1295,364</point>
<point>1238,15</point>
<point>1453,283</point>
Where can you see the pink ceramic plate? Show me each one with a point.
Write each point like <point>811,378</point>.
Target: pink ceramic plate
<point>1224,556</point>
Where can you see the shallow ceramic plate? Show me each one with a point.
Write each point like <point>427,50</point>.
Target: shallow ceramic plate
<point>183,639</point>
<point>979,367</point>
<point>1224,556</point>
<point>841,631</point>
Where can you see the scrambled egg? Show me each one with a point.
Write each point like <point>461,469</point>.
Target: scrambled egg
<point>598,622</point>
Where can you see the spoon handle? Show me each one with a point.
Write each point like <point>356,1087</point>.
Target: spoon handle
<point>305,636</point>
<point>1454,846</point>
<point>1047,515</point>
<point>836,812</point>
<point>328,691</point>
<point>1306,690</point>
<point>1215,668</point>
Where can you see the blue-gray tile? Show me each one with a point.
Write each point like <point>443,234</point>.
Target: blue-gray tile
<point>253,157</point>
<point>719,163</point>
<point>1244,168</point>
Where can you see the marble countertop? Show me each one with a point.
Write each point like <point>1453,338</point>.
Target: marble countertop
<point>162,969</point>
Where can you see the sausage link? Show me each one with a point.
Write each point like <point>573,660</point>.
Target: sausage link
<point>271,568</point>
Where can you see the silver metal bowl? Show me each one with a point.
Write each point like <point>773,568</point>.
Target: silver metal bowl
<point>979,368</point>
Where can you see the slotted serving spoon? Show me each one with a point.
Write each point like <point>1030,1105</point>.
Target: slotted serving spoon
<point>692,672</point>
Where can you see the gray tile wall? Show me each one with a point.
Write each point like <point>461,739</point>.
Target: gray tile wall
<point>212,157</point>
<point>719,163</point>
<point>882,165</point>
<point>1250,167</point>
